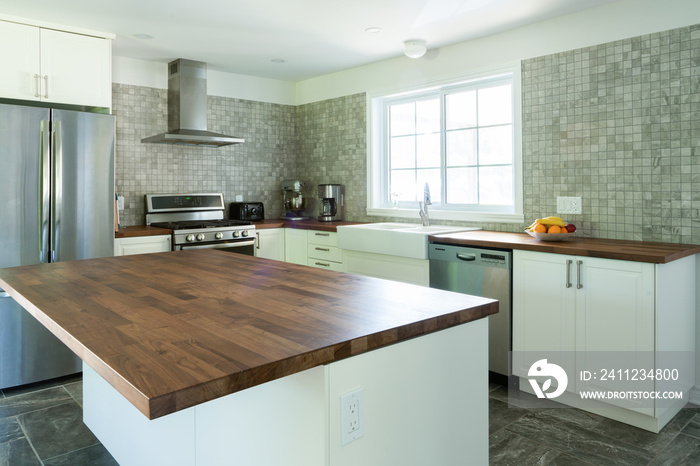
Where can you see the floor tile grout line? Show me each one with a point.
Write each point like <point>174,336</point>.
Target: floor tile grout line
<point>29,440</point>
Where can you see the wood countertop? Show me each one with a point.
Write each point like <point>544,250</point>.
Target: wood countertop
<point>637,251</point>
<point>311,224</point>
<point>141,230</point>
<point>172,330</point>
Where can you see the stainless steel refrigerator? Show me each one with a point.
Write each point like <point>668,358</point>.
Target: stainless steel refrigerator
<point>56,204</point>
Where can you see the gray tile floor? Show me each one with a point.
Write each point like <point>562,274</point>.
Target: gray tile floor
<point>41,424</point>
<point>568,436</point>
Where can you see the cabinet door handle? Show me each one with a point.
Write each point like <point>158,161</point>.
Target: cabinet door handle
<point>322,234</point>
<point>257,243</point>
<point>46,86</point>
<point>568,273</point>
<point>37,83</point>
<point>322,249</point>
<point>579,285</point>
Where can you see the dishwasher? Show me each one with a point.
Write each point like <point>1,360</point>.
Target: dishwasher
<point>479,272</point>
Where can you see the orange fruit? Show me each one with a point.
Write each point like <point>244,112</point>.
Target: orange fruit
<point>554,229</point>
<point>539,228</point>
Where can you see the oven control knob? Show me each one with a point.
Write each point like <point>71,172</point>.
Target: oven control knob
<point>200,237</point>
<point>219,235</point>
<point>245,233</point>
<point>189,238</point>
<point>236,234</point>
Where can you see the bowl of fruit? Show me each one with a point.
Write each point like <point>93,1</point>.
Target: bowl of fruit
<point>550,229</point>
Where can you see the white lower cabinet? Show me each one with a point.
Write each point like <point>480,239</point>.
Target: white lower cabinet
<point>295,243</point>
<point>401,269</point>
<point>322,251</point>
<point>269,243</point>
<point>581,311</point>
<point>141,245</point>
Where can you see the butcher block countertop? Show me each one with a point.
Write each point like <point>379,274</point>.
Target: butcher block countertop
<point>173,330</point>
<point>637,251</point>
<point>310,224</point>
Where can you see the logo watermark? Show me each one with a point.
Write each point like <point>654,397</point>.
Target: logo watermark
<point>542,368</point>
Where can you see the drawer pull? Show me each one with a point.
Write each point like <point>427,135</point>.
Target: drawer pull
<point>323,249</point>
<point>322,234</point>
<point>322,264</point>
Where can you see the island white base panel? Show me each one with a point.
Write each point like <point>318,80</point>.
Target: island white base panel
<point>425,401</point>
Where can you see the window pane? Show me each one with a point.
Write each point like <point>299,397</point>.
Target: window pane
<point>462,186</point>
<point>428,116</point>
<point>496,185</point>
<point>495,105</point>
<point>496,145</point>
<point>460,110</point>
<point>403,152</point>
<point>402,119</point>
<point>403,184</point>
<point>428,150</point>
<point>432,177</point>
<point>461,147</point>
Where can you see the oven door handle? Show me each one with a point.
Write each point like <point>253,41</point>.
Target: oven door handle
<point>236,244</point>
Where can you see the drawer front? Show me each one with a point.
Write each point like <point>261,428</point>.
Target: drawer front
<point>326,238</point>
<point>327,253</point>
<point>323,264</point>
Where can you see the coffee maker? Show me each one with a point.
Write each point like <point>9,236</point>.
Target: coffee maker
<point>332,205</point>
<point>294,201</point>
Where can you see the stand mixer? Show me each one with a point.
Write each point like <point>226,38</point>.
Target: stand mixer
<point>294,201</point>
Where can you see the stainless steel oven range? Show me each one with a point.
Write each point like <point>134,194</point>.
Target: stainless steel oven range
<point>197,221</point>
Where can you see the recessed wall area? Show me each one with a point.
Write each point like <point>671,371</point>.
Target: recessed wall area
<point>617,124</point>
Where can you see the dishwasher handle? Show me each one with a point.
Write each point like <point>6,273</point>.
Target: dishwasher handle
<point>465,257</point>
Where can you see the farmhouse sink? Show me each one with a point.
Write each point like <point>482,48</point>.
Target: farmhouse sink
<point>395,239</point>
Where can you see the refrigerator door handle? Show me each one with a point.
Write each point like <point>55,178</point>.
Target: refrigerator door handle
<point>57,190</point>
<point>45,161</point>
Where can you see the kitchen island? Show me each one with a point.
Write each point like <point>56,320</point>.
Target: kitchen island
<point>197,357</point>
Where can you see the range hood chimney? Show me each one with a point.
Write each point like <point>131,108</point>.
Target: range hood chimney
<point>187,108</point>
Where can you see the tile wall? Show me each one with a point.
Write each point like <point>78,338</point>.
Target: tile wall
<point>617,124</point>
<point>253,169</point>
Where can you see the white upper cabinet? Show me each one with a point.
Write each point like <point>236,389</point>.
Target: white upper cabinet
<point>19,55</point>
<point>76,69</point>
<point>54,66</point>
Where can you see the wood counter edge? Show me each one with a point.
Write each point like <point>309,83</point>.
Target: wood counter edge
<point>192,396</point>
<point>135,231</point>
<point>671,253</point>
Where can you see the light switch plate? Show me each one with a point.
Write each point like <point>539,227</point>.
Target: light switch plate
<point>569,205</point>
<point>239,198</point>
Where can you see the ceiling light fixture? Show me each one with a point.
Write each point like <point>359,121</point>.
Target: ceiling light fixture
<point>414,48</point>
<point>373,30</point>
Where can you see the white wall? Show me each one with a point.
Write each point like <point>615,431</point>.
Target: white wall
<point>621,20</point>
<point>238,86</point>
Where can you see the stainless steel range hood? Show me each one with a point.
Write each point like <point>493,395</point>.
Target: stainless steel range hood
<point>187,108</point>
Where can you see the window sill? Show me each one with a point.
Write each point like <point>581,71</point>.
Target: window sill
<point>482,217</point>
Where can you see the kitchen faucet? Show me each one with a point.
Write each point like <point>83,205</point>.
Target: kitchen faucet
<point>423,212</point>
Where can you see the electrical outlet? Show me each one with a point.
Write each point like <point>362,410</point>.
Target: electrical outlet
<point>569,205</point>
<point>239,198</point>
<point>351,416</point>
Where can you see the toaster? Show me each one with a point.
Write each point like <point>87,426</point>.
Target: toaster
<point>252,211</point>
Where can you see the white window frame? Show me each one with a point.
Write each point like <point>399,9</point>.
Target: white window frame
<point>377,161</point>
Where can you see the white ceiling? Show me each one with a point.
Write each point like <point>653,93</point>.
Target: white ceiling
<point>313,37</point>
